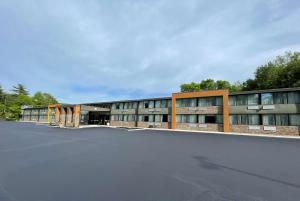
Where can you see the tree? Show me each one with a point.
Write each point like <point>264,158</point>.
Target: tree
<point>190,87</point>
<point>223,84</point>
<point>2,95</point>
<point>20,89</point>
<point>49,99</point>
<point>43,99</point>
<point>282,72</point>
<point>38,99</point>
<point>208,84</point>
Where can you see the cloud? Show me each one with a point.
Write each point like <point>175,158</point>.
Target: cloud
<point>83,51</point>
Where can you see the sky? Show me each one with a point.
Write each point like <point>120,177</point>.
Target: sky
<point>98,50</point>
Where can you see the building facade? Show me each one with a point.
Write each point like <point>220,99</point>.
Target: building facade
<point>274,111</point>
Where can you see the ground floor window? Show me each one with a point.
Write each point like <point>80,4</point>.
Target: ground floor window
<point>266,119</point>
<point>294,119</point>
<point>201,119</point>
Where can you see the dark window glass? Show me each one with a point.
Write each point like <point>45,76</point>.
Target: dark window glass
<point>294,97</point>
<point>269,120</point>
<point>282,120</point>
<point>146,105</point>
<point>146,118</point>
<point>165,118</point>
<point>294,119</point>
<point>280,98</point>
<point>210,119</point>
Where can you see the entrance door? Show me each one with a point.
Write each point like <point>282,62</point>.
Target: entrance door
<point>98,118</point>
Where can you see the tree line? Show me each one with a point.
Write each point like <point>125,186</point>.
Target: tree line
<point>11,102</point>
<point>282,72</point>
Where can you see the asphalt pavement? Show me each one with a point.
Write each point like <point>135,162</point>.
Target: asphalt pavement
<point>40,163</point>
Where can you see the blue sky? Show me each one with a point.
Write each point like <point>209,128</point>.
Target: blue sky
<point>84,51</point>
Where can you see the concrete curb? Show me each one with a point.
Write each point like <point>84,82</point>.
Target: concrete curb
<point>216,133</point>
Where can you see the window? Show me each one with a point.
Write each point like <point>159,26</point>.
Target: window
<point>267,99</point>
<point>253,119</point>
<point>186,102</point>
<point>219,119</point>
<point>151,118</point>
<point>125,105</point>
<point>239,119</point>
<point>210,101</point>
<point>157,104</point>
<point>158,118</point>
<point>253,99</point>
<point>131,117</point>
<point>170,103</point>
<point>294,119</point>
<point>178,118</point>
<point>164,118</point>
<point>134,105</point>
<point>125,117</point>
<point>201,119</point>
<point>151,104</point>
<point>117,106</point>
<point>186,118</point>
<point>269,119</point>
<point>146,118</point>
<point>282,119</point>
<point>192,119</point>
<point>294,97</point>
<point>163,103</point>
<point>232,100</point>
<point>140,118</point>
<point>146,105</point>
<point>280,98</point>
<point>210,119</point>
<point>241,100</point>
<point>121,105</point>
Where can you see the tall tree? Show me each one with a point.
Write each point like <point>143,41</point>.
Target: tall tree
<point>2,94</point>
<point>20,89</point>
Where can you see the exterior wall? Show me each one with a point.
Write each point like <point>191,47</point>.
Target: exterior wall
<point>129,124</point>
<point>259,109</point>
<point>199,110</point>
<point>202,127</point>
<point>280,130</point>
<point>225,111</point>
<point>142,124</point>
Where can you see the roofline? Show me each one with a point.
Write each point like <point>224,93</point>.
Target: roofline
<point>265,91</point>
<point>130,100</point>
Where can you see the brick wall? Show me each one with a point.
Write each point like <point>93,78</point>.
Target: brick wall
<point>280,130</point>
<point>128,124</point>
<point>200,127</point>
<point>154,124</point>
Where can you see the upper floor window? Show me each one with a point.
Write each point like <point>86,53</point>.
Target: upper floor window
<point>280,98</point>
<point>294,97</point>
<point>146,104</point>
<point>151,104</point>
<point>253,99</point>
<point>210,101</point>
<point>157,104</point>
<point>267,98</point>
<point>269,120</point>
<point>294,119</point>
<point>186,102</point>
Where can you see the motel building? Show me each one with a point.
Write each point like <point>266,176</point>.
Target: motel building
<point>273,111</point>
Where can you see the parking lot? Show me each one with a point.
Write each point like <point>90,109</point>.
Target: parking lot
<point>40,163</point>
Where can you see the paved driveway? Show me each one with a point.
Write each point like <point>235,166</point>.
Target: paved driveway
<point>38,163</point>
